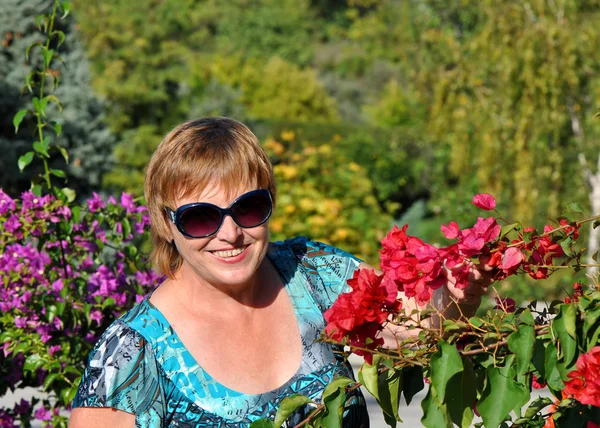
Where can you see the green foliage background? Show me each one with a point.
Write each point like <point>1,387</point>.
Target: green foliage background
<point>372,110</point>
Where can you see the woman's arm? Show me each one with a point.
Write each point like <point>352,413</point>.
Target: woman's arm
<point>96,417</point>
<point>449,301</point>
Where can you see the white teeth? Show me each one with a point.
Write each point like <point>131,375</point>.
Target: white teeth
<point>231,253</point>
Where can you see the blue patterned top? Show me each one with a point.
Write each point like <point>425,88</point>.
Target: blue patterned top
<point>140,365</point>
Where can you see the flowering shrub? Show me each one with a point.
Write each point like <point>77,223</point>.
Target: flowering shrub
<point>479,365</point>
<point>67,271</point>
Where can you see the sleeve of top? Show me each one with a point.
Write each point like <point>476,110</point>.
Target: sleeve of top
<point>328,269</point>
<point>121,373</point>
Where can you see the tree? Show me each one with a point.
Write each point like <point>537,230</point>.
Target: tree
<point>84,133</point>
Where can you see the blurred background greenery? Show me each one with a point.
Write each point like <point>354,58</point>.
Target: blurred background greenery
<point>373,111</point>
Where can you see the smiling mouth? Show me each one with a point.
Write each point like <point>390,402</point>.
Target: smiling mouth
<point>229,253</point>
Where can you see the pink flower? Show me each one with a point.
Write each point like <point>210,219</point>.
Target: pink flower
<point>43,414</point>
<point>96,203</point>
<point>450,231</point>
<point>511,258</point>
<point>485,201</point>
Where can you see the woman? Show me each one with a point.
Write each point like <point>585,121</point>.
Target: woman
<point>231,331</point>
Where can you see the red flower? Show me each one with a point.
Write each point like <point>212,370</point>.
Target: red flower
<point>360,314</point>
<point>485,201</point>
<point>584,385</point>
<point>536,384</point>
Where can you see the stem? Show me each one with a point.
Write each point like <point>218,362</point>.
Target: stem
<point>41,124</point>
<point>550,232</point>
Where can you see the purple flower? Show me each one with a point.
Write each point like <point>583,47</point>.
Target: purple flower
<point>22,408</point>
<point>57,285</point>
<point>96,203</point>
<point>6,420</point>
<point>29,200</point>
<point>44,332</point>
<point>43,414</point>
<point>5,348</point>
<point>61,211</point>
<point>96,315</point>
<point>127,202</point>
<point>21,322</point>
<point>111,200</point>
<point>6,203</point>
<point>507,304</point>
<point>12,224</point>
<point>54,349</point>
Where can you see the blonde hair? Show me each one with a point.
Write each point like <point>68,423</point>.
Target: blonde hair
<point>191,157</point>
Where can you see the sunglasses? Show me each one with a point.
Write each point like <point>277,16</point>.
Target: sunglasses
<point>201,219</point>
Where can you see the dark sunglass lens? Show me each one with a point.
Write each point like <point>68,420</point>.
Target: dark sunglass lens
<point>252,210</point>
<point>200,221</point>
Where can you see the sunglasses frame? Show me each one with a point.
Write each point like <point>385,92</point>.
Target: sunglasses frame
<point>175,216</point>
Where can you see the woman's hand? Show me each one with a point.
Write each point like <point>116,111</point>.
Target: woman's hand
<point>452,302</point>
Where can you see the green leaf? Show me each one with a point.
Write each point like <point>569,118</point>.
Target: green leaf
<point>412,382</point>
<point>434,412</point>
<point>63,152</point>
<point>445,363</point>
<point>65,6</point>
<point>58,130</point>
<point>262,423</point>
<point>50,379</point>
<point>41,148</point>
<point>521,343</point>
<point>288,406</point>
<point>25,160</point>
<point>461,396</point>
<point>109,301</point>
<point>593,339</point>
<point>32,363</point>
<point>576,208</point>
<point>58,173</point>
<point>526,317</point>
<point>475,321</point>
<point>340,382</point>
<point>390,390</point>
<point>539,357</point>
<point>38,21</point>
<point>508,228</point>
<point>563,327</point>
<point>61,37</point>
<point>47,54</point>
<point>553,377</point>
<point>537,405</point>
<point>501,395</point>
<point>69,193</point>
<point>591,317</point>
<point>334,408</point>
<point>28,80</point>
<point>53,99</point>
<point>566,244</point>
<point>68,394</point>
<point>368,375</point>
<point>29,48</point>
<point>19,116</point>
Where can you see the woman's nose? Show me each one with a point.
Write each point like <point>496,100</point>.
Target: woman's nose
<point>229,230</point>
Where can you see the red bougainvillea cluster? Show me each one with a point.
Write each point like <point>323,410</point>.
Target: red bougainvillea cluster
<point>584,385</point>
<point>415,268</point>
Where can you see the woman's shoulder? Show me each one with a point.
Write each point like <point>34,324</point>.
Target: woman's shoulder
<point>303,247</point>
<point>120,369</point>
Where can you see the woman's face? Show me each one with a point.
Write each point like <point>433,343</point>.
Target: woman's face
<point>230,258</point>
